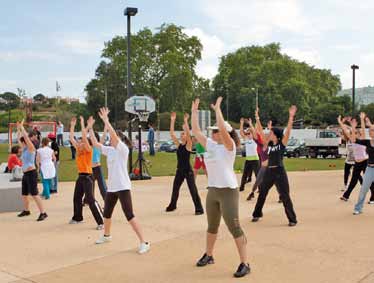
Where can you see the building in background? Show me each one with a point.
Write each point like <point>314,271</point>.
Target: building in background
<point>364,95</point>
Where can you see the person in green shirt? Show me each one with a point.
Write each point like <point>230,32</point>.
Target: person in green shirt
<point>199,158</point>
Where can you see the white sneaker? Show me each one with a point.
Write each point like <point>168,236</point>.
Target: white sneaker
<point>371,202</point>
<point>356,212</point>
<point>75,222</point>
<point>103,239</point>
<point>144,247</point>
<point>100,227</point>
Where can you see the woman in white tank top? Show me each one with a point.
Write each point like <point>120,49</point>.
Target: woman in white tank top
<point>45,158</point>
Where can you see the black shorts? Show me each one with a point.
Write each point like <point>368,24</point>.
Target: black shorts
<point>30,183</point>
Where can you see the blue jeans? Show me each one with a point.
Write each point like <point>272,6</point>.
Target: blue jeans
<point>47,185</point>
<point>55,179</point>
<point>151,148</point>
<point>366,183</point>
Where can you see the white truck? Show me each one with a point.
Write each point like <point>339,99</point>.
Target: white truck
<point>325,144</point>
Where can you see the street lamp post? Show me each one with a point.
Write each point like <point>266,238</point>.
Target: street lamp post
<point>256,89</point>
<point>129,12</point>
<point>354,68</point>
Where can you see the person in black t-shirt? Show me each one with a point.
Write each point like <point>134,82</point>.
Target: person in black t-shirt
<point>276,173</point>
<point>184,169</point>
<point>56,151</point>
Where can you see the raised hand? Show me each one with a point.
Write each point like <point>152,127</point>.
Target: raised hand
<point>242,121</point>
<point>73,121</point>
<point>195,104</point>
<point>257,115</point>
<point>368,122</point>
<point>354,123</point>
<point>292,110</point>
<point>90,122</point>
<point>82,120</point>
<point>270,125</point>
<point>104,114</point>
<point>362,115</point>
<point>217,106</point>
<point>173,116</point>
<point>186,117</point>
<point>340,119</point>
<point>249,121</point>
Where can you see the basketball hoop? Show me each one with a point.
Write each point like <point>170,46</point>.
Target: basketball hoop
<point>143,116</point>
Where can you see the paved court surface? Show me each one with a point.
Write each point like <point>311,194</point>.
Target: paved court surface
<point>328,245</point>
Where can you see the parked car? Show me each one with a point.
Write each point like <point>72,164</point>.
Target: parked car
<point>296,148</point>
<point>325,144</point>
<point>168,146</point>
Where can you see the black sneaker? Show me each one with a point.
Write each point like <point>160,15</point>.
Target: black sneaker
<point>255,219</point>
<point>42,216</point>
<point>243,270</point>
<point>251,196</point>
<point>205,260</point>
<point>199,212</point>
<point>24,213</point>
<point>292,224</point>
<point>170,208</point>
<point>241,189</point>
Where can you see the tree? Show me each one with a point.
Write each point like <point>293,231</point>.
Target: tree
<point>281,81</point>
<point>11,100</point>
<point>162,66</point>
<point>39,98</point>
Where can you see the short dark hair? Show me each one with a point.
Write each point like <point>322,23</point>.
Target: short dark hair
<point>15,149</point>
<point>45,141</point>
<point>97,135</point>
<point>22,139</point>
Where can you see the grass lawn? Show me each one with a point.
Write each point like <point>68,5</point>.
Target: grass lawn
<point>164,164</point>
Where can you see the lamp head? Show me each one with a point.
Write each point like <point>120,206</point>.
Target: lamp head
<point>130,11</point>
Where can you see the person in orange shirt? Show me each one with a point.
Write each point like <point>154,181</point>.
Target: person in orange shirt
<point>84,183</point>
<point>14,158</point>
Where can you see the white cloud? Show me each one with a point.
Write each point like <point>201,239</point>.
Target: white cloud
<point>11,56</point>
<point>256,21</point>
<point>83,46</point>
<point>213,49</point>
<point>311,57</point>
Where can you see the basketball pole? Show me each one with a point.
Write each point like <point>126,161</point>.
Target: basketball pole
<point>129,12</point>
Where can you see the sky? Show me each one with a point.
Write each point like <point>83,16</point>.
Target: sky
<point>43,41</point>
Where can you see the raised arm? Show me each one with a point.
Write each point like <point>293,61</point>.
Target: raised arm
<point>225,136</point>
<point>84,134</point>
<point>173,117</point>
<point>354,126</point>
<point>73,122</point>
<point>252,129</point>
<point>90,123</point>
<point>362,120</point>
<point>25,135</point>
<point>196,131</point>
<point>259,127</point>
<point>292,113</point>
<point>241,129</point>
<point>103,137</point>
<point>19,134</point>
<point>114,139</point>
<point>186,129</point>
<point>344,127</point>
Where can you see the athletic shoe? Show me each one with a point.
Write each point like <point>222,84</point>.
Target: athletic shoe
<point>199,212</point>
<point>169,209</point>
<point>24,213</point>
<point>344,198</point>
<point>204,260</point>
<point>144,247</point>
<point>255,219</point>
<point>72,221</point>
<point>243,270</point>
<point>100,227</point>
<point>251,196</point>
<point>42,216</point>
<point>371,202</point>
<point>103,239</point>
<point>241,189</point>
<point>356,212</point>
<point>280,200</point>
<point>292,224</point>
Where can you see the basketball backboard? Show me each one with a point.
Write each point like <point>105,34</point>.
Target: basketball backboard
<point>140,103</point>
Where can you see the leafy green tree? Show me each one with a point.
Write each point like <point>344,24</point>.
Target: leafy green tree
<point>11,100</point>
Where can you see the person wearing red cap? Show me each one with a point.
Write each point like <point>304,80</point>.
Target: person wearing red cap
<point>56,151</point>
